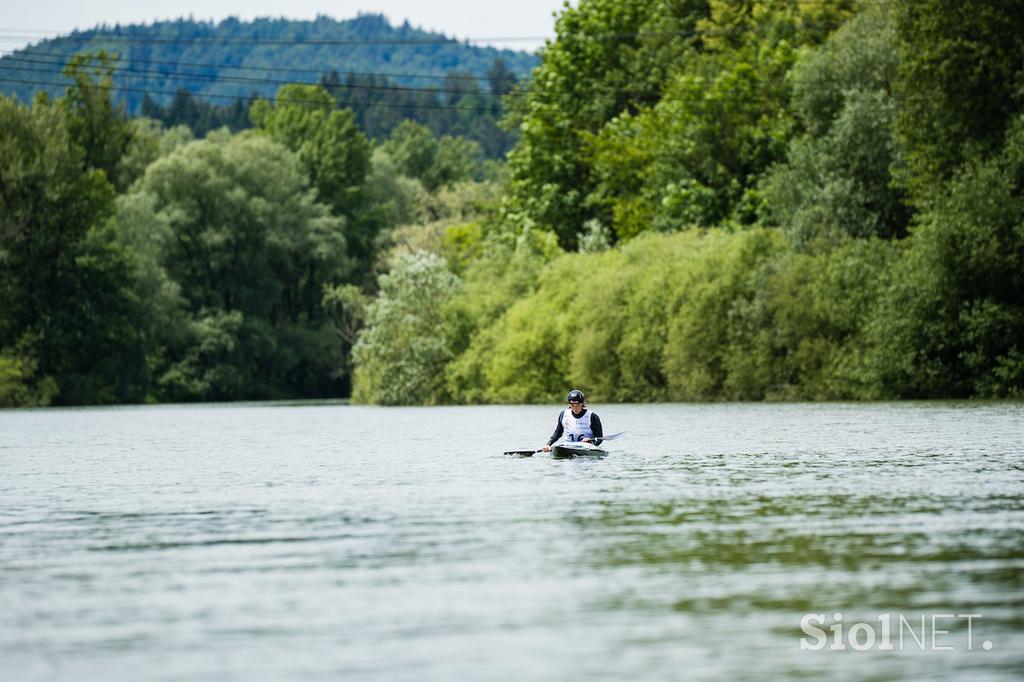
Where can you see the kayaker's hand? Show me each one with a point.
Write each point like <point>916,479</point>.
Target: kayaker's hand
<point>586,440</point>
<point>546,448</point>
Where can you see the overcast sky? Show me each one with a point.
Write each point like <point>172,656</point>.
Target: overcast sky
<point>26,21</point>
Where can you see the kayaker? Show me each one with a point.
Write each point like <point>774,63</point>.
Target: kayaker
<point>577,424</point>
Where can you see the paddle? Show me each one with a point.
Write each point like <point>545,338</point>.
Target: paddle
<point>531,453</point>
<point>523,453</point>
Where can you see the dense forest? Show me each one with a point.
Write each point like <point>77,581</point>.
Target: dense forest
<point>707,200</point>
<point>205,75</point>
<point>233,59</point>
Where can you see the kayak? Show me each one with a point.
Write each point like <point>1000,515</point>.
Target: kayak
<point>569,450</point>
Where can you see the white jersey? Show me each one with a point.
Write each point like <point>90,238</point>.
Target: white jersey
<point>576,429</point>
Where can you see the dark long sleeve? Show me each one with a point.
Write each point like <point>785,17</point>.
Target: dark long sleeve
<point>595,426</point>
<point>558,429</point>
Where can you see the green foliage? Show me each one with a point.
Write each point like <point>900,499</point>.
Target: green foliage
<point>402,352</point>
<point>782,325</point>
<point>346,306</point>
<point>199,116</point>
<point>363,44</point>
<point>501,78</point>
<point>631,251</point>
<point>456,108</point>
<point>706,143</point>
<point>96,125</point>
<point>222,67</point>
<point>506,270</point>
<point>246,252</point>
<point>697,155</point>
<point>961,65</point>
<point>446,223</point>
<point>718,312</point>
<point>691,316</point>
<point>434,162</point>
<point>20,384</point>
<point>595,237</point>
<point>687,129</point>
<point>149,142</point>
<point>391,197</point>
<point>610,58</point>
<point>333,151</point>
<point>837,181</point>
<point>952,322</point>
<point>334,154</point>
<point>67,305</point>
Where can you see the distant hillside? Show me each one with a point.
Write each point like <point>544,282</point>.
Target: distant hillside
<point>219,62</point>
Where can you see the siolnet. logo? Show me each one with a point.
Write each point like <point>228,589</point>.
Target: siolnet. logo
<point>892,632</point>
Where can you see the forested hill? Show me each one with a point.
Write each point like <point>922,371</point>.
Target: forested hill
<point>231,59</point>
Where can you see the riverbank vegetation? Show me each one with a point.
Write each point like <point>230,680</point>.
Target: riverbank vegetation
<point>708,200</point>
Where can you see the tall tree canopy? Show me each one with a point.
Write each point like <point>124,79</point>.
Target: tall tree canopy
<point>67,310</point>
<point>243,239</point>
<point>334,153</point>
<point>961,67</point>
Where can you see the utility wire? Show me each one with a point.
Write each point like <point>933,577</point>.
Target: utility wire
<point>355,88</point>
<point>139,74</point>
<point>14,55</point>
<point>149,91</point>
<point>140,37</point>
<point>271,81</point>
<point>390,105</point>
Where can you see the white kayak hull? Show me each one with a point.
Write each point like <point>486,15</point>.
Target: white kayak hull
<point>569,450</point>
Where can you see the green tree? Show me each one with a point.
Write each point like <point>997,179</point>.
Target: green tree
<point>506,270</point>
<point>334,153</point>
<point>961,65</point>
<point>149,143</point>
<point>501,79</point>
<point>20,385</point>
<point>698,154</point>
<point>67,303</point>
<point>436,162</point>
<point>837,181</point>
<point>402,351</point>
<point>610,58</point>
<point>246,251</point>
<point>95,123</point>
<point>952,322</point>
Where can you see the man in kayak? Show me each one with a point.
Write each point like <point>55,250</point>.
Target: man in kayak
<point>577,424</point>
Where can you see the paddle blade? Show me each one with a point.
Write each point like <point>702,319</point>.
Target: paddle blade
<point>521,453</point>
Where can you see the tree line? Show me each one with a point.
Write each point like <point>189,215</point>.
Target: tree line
<point>140,264</point>
<point>459,107</point>
<point>707,200</point>
<point>740,201</point>
<point>219,62</point>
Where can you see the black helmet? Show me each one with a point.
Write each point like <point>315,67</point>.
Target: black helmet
<point>576,396</point>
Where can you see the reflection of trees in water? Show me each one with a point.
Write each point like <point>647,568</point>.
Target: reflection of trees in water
<point>804,552</point>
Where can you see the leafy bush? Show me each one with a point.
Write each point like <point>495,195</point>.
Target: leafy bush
<point>402,351</point>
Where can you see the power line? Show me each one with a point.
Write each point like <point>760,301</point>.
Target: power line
<point>390,105</point>
<point>353,87</point>
<point>12,55</point>
<point>271,81</point>
<point>93,35</point>
<point>258,81</point>
<point>148,91</point>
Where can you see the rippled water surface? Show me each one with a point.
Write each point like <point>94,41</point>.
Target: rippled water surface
<point>329,542</point>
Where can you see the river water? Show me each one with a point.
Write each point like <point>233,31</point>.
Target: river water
<point>330,542</point>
